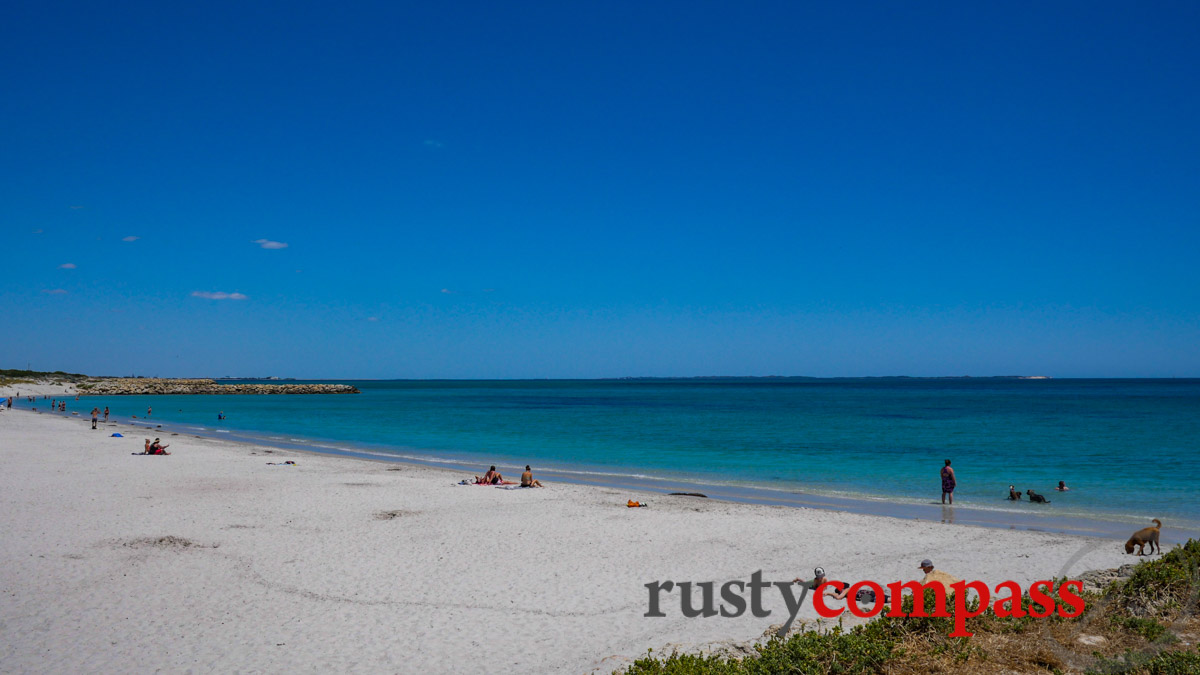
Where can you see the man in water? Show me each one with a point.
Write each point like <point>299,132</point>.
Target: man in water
<point>948,483</point>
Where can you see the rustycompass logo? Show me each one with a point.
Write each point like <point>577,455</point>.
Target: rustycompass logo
<point>1004,599</point>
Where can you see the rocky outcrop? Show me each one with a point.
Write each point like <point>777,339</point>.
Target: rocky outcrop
<point>125,386</point>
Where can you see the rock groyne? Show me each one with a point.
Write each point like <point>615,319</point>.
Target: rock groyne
<point>125,386</point>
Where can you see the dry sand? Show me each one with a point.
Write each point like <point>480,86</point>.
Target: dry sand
<point>212,560</point>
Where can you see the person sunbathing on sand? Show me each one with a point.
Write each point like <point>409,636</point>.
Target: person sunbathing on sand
<point>157,448</point>
<point>146,451</point>
<point>819,578</point>
<point>492,477</point>
<point>527,478</point>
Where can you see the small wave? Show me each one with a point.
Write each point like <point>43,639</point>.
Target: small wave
<point>222,431</point>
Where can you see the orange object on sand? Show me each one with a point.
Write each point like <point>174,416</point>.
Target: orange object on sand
<point>632,504</point>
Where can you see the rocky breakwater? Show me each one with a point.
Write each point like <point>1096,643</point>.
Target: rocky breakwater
<point>124,386</point>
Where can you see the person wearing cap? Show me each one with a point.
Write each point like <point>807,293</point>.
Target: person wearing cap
<point>936,576</point>
<point>818,579</point>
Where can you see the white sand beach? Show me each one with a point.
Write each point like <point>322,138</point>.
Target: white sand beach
<point>213,560</point>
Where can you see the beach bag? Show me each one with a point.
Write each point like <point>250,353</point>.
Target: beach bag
<point>867,596</point>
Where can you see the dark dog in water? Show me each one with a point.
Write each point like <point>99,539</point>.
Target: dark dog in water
<point>1014,494</point>
<point>1036,498</point>
<point>1147,535</point>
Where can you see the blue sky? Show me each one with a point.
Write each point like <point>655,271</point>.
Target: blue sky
<point>596,190</point>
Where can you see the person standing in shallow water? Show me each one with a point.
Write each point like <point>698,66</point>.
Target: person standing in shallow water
<point>948,483</point>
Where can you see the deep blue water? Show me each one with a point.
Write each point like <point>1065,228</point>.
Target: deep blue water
<point>1128,448</point>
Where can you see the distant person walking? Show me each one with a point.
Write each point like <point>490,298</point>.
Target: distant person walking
<point>948,483</point>
<point>106,414</point>
<point>95,416</point>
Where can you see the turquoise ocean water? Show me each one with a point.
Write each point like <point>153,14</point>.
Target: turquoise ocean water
<point>1130,449</point>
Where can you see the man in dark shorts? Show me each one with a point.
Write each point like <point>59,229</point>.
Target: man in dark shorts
<point>948,483</point>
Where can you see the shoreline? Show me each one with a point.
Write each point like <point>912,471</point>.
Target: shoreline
<point>213,559</point>
<point>1003,515</point>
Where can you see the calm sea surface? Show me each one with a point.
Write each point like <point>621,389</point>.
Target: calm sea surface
<point>1129,449</point>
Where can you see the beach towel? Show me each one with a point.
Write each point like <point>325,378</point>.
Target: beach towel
<point>116,436</point>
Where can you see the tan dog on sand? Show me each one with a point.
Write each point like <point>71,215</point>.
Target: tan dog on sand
<point>1148,535</point>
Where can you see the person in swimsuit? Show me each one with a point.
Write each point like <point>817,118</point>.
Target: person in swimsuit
<point>1062,486</point>
<point>527,478</point>
<point>948,483</point>
<point>492,477</point>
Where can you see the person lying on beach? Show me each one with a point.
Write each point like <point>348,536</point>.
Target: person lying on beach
<point>863,595</point>
<point>527,478</point>
<point>818,579</point>
<point>492,477</point>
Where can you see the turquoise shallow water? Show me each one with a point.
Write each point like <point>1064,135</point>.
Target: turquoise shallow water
<point>1130,449</point>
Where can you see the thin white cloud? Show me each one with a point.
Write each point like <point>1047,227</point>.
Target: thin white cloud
<point>76,207</point>
<point>489,290</point>
<point>447,291</point>
<point>218,295</point>
<point>372,318</point>
<point>430,143</point>
<point>67,266</point>
<point>267,243</point>
<point>130,238</point>
<point>54,291</point>
<point>37,231</point>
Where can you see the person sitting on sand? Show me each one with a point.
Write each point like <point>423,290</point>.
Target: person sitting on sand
<point>937,576</point>
<point>1062,486</point>
<point>492,477</point>
<point>527,478</point>
<point>157,448</point>
<point>146,451</point>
